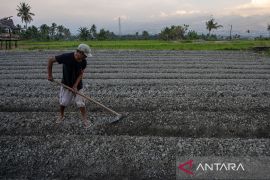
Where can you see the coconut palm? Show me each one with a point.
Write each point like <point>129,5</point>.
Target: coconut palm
<point>24,13</point>
<point>44,30</point>
<point>60,31</point>
<point>53,30</point>
<point>83,33</point>
<point>67,33</point>
<point>211,24</point>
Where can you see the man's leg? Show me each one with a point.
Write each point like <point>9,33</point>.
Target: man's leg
<point>65,99</point>
<point>61,118</point>
<point>81,104</point>
<point>84,116</point>
<point>62,111</point>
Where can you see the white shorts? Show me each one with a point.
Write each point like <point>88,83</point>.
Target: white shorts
<point>66,98</point>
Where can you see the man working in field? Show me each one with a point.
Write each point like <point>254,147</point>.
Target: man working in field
<point>74,65</point>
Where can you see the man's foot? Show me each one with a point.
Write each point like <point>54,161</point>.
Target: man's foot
<point>86,124</point>
<point>59,120</point>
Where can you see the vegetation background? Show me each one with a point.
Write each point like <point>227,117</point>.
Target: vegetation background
<point>176,37</point>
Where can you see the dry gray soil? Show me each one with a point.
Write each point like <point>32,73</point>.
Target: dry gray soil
<point>176,103</point>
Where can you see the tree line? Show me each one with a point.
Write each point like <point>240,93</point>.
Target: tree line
<point>59,32</point>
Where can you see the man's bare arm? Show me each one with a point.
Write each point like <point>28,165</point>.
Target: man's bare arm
<point>50,65</point>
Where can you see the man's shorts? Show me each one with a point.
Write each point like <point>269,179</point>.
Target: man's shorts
<point>66,98</point>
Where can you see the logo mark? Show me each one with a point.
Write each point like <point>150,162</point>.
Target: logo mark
<point>181,167</point>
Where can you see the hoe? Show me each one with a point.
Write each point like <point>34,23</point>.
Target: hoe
<point>118,116</point>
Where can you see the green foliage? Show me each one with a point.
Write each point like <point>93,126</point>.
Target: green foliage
<point>192,35</point>
<point>93,32</point>
<point>211,24</point>
<point>105,35</point>
<point>211,37</point>
<point>53,30</point>
<point>24,13</point>
<point>44,32</point>
<point>145,35</point>
<point>84,33</point>
<point>174,33</point>
<point>31,33</point>
<point>148,44</point>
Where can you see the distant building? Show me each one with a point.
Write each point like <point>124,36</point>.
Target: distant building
<point>7,22</point>
<point>7,28</point>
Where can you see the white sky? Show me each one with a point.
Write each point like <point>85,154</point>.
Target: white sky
<point>138,15</point>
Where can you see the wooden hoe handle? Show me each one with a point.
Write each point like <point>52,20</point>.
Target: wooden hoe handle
<point>88,98</point>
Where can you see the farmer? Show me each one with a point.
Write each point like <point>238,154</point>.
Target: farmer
<point>74,64</point>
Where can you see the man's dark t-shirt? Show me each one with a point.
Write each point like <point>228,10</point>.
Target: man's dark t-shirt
<point>71,69</point>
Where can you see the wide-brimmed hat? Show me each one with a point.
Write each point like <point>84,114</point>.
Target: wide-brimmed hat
<point>85,49</point>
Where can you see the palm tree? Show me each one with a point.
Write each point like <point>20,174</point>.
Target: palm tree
<point>60,31</point>
<point>24,13</point>
<point>165,34</point>
<point>211,24</point>
<point>44,30</point>
<point>103,34</point>
<point>67,33</point>
<point>83,33</point>
<point>53,30</point>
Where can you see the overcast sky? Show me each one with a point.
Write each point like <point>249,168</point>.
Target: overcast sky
<point>150,15</point>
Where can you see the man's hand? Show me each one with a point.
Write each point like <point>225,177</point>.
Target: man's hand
<point>75,90</point>
<point>50,78</point>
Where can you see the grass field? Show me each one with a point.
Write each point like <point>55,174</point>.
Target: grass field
<point>148,45</point>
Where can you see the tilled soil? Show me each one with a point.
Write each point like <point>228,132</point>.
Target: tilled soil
<point>176,103</point>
